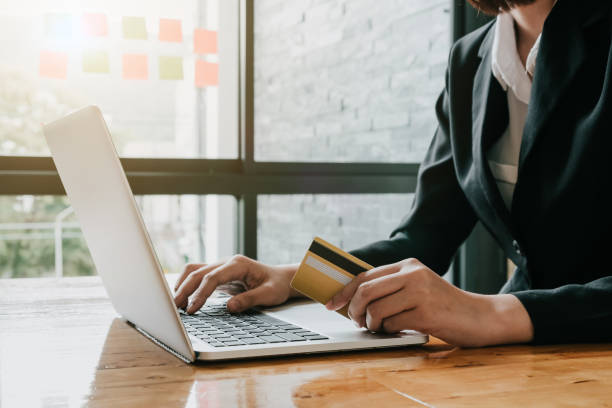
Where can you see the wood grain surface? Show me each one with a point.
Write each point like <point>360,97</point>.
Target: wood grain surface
<point>61,344</point>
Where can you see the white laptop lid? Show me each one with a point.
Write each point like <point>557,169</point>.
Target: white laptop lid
<point>102,199</point>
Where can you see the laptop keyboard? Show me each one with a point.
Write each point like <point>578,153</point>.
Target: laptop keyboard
<point>216,326</point>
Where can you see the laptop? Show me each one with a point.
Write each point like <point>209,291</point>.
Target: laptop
<point>98,190</point>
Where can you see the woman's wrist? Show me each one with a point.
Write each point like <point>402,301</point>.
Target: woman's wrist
<point>508,320</point>
<point>288,271</point>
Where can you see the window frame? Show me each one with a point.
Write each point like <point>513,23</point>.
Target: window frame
<point>242,177</point>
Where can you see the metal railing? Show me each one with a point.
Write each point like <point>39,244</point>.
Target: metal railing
<point>57,236</point>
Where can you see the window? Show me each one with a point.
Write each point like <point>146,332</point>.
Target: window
<point>166,77</point>
<point>164,73</point>
<point>347,220</point>
<point>40,235</point>
<point>352,81</point>
<point>343,82</point>
<point>317,120</point>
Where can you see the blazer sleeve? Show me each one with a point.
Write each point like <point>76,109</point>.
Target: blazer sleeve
<point>440,218</point>
<point>571,313</point>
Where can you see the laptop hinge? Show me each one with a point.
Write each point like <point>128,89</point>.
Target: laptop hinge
<point>162,345</point>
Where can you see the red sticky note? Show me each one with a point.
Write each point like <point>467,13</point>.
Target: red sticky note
<point>170,30</point>
<point>95,24</point>
<point>204,41</point>
<point>206,74</point>
<point>135,66</point>
<point>53,64</point>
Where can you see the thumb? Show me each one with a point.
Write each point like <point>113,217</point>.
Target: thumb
<point>248,299</point>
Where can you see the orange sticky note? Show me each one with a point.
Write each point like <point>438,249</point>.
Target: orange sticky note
<point>53,64</point>
<point>170,30</point>
<point>206,74</point>
<point>135,66</point>
<point>95,24</point>
<point>204,41</point>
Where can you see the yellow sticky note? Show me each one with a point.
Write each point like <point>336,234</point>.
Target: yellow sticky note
<point>134,28</point>
<point>53,64</point>
<point>135,66</point>
<point>170,67</point>
<point>95,61</point>
<point>206,74</point>
<point>170,30</point>
<point>204,41</point>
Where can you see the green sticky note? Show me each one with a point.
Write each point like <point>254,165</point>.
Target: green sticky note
<point>170,67</point>
<point>96,62</point>
<point>134,28</point>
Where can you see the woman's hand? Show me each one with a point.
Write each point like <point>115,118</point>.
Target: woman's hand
<point>409,295</point>
<point>266,285</point>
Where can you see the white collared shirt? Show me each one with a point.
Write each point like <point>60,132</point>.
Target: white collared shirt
<point>515,79</point>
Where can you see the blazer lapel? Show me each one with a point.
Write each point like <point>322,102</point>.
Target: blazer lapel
<point>489,121</point>
<point>561,53</point>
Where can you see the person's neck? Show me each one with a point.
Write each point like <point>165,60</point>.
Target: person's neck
<point>528,23</point>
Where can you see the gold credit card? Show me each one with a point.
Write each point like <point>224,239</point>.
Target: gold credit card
<point>325,270</point>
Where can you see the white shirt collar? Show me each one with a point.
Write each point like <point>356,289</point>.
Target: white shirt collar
<point>506,63</point>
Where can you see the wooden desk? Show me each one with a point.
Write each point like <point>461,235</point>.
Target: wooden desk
<point>61,345</point>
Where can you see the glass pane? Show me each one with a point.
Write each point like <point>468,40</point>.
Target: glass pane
<point>287,224</point>
<point>164,73</point>
<point>348,81</point>
<point>183,229</point>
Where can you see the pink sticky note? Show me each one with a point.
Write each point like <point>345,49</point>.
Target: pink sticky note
<point>53,64</point>
<point>206,74</point>
<point>204,41</point>
<point>95,24</point>
<point>170,30</point>
<point>135,66</point>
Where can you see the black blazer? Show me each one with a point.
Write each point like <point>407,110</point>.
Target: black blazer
<point>558,231</point>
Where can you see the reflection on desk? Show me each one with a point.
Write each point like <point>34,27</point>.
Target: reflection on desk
<point>62,345</point>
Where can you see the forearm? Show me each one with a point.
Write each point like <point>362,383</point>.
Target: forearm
<point>571,313</point>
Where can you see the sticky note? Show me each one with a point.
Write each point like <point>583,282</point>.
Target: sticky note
<point>170,30</point>
<point>58,25</point>
<point>204,41</point>
<point>95,61</point>
<point>53,64</point>
<point>206,74</point>
<point>134,28</point>
<point>170,67</point>
<point>135,66</point>
<point>95,24</point>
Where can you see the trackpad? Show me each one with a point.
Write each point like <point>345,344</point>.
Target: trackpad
<point>314,316</point>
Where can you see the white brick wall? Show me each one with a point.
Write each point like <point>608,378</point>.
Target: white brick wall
<point>343,80</point>
<point>287,224</point>
<point>352,80</point>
